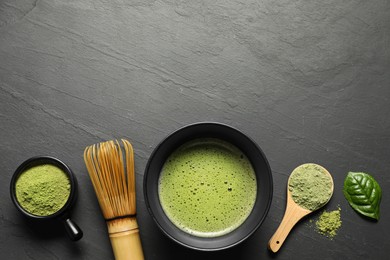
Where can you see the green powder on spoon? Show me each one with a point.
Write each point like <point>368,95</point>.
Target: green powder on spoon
<point>310,186</point>
<point>42,190</point>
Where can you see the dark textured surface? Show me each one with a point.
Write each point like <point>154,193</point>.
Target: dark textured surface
<point>309,81</point>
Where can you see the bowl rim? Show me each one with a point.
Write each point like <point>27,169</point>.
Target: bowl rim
<point>40,160</point>
<point>177,144</point>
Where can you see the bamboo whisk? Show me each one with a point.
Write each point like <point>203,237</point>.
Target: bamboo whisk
<point>112,175</point>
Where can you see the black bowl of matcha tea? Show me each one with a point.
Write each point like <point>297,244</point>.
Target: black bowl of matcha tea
<point>208,186</point>
<point>45,188</point>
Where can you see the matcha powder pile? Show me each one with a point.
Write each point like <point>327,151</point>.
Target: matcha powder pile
<point>329,223</point>
<point>42,190</point>
<point>310,186</point>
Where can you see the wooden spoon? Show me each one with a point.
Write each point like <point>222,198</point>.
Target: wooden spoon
<point>294,212</point>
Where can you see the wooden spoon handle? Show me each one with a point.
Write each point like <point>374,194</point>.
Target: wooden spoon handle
<point>292,215</point>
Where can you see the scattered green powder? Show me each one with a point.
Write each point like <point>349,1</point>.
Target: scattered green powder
<point>310,186</point>
<point>42,190</point>
<point>329,222</point>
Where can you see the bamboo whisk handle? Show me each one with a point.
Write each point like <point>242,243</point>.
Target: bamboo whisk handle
<point>125,239</point>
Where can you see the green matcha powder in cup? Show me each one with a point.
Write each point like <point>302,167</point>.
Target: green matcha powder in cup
<point>42,190</point>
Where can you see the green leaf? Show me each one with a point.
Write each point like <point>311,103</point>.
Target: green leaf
<point>363,193</point>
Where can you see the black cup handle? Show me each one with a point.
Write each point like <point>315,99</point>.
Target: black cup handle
<point>73,231</point>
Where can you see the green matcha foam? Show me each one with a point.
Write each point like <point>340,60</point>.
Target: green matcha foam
<point>207,187</point>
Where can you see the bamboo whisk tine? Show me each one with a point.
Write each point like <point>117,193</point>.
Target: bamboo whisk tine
<point>112,176</point>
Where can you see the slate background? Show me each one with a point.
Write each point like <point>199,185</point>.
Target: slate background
<point>309,81</point>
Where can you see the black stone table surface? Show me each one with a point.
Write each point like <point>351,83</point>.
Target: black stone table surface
<point>309,81</point>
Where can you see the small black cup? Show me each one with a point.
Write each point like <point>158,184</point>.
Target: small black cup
<point>63,214</point>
